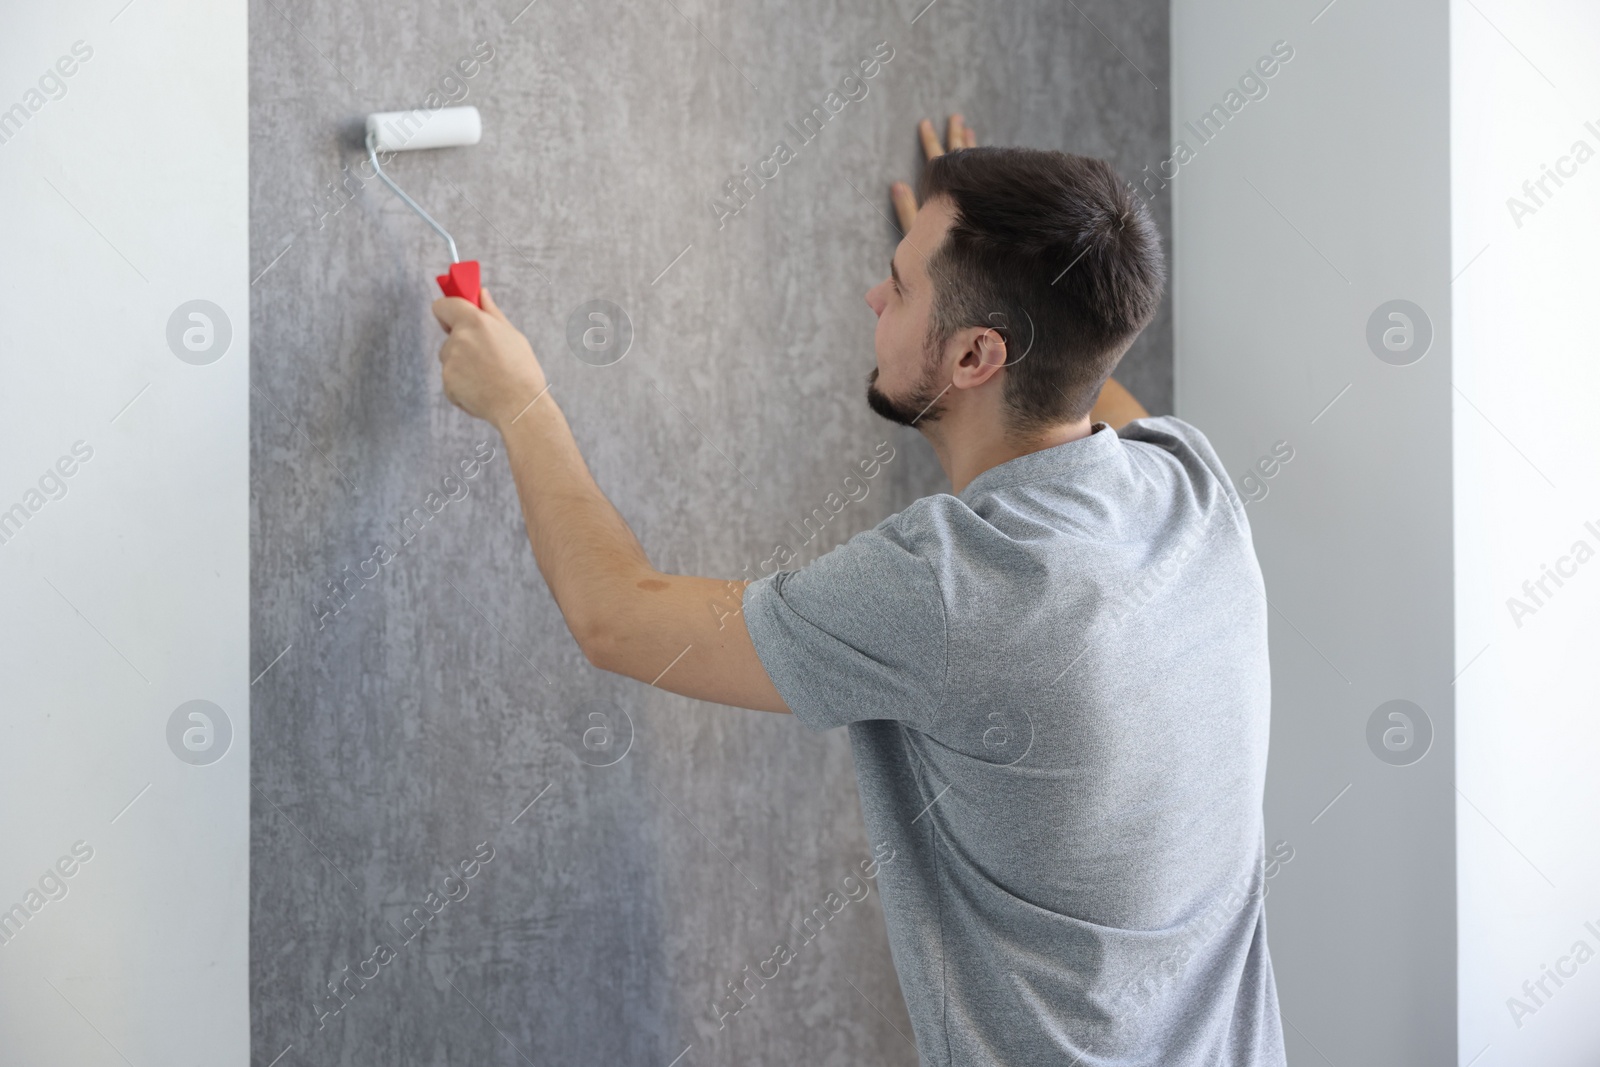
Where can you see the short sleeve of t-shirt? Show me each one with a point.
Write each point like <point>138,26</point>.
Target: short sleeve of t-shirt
<point>858,633</point>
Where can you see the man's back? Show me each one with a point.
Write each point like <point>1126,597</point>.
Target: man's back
<point>1058,696</point>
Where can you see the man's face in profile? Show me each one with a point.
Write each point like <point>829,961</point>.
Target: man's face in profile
<point>906,384</point>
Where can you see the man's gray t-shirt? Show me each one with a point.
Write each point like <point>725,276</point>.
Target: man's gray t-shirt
<point>1057,690</point>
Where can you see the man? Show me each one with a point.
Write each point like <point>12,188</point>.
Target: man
<point>1054,676</point>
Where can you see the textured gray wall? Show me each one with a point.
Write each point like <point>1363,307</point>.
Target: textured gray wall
<point>445,695</point>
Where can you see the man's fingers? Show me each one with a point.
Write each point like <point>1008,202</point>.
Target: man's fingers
<point>451,311</point>
<point>905,204</point>
<point>959,135</point>
<point>490,306</point>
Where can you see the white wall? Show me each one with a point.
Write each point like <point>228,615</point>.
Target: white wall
<point>122,197</point>
<point>1310,209</point>
<point>1527,481</point>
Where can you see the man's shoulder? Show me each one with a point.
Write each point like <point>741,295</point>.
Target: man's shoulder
<point>917,519</point>
<point>1167,432</point>
<point>926,527</point>
<point>1193,452</point>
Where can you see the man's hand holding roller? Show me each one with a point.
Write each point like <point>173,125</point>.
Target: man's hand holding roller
<point>488,366</point>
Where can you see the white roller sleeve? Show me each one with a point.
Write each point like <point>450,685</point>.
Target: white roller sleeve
<point>401,131</point>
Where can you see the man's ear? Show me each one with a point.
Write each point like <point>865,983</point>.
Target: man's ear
<point>981,359</point>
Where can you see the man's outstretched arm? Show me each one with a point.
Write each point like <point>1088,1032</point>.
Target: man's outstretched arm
<point>1116,406</point>
<point>683,634</point>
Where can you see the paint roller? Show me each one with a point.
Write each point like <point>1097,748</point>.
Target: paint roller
<point>405,131</point>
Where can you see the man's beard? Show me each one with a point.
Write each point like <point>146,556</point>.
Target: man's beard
<point>921,405</point>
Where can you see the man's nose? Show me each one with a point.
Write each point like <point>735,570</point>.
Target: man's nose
<point>875,300</point>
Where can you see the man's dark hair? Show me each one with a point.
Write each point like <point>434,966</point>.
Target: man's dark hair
<point>1056,253</point>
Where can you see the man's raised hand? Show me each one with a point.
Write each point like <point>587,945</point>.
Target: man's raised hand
<point>959,135</point>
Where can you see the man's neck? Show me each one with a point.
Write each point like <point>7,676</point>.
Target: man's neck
<point>966,451</point>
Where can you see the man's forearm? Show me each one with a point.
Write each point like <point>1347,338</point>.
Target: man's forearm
<point>586,552</point>
<point>1116,406</point>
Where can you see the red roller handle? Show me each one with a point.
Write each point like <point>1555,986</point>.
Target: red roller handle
<point>462,281</point>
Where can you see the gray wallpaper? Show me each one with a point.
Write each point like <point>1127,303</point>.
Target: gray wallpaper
<point>468,846</point>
